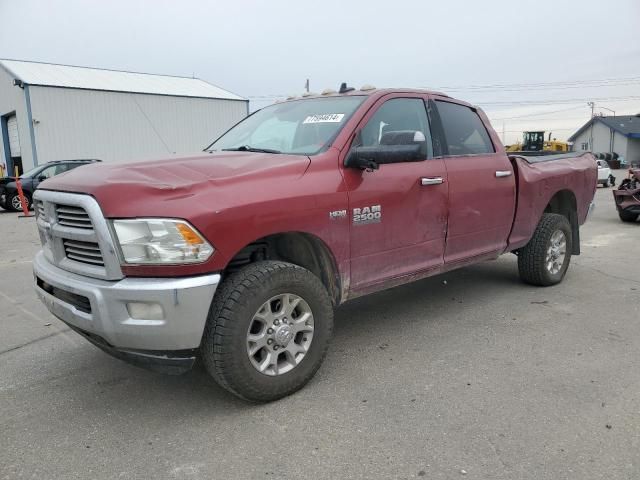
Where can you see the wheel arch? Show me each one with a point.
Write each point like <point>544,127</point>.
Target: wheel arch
<point>300,248</point>
<point>564,202</point>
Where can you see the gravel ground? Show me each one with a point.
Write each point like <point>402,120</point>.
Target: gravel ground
<point>468,375</point>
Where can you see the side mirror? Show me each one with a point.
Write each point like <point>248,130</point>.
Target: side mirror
<point>395,147</point>
<point>41,178</point>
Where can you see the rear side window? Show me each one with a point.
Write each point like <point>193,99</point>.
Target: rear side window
<point>69,166</point>
<point>464,132</point>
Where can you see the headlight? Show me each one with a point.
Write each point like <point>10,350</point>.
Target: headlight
<point>160,241</point>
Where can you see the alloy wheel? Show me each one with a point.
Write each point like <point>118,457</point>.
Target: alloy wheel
<point>280,334</point>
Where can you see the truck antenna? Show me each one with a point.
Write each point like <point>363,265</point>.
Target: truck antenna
<point>344,88</point>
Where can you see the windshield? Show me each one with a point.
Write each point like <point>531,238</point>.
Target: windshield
<point>302,127</point>
<point>31,173</point>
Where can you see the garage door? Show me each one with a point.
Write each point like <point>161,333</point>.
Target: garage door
<point>14,138</point>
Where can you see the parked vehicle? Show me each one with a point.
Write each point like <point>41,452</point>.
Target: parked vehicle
<point>627,197</point>
<point>9,199</point>
<point>240,254</point>
<point>605,178</point>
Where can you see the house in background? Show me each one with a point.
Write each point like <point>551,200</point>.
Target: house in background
<point>609,134</point>
<point>61,112</point>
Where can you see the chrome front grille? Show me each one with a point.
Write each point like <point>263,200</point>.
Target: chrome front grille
<point>83,252</point>
<point>74,217</point>
<point>75,235</point>
<point>39,209</point>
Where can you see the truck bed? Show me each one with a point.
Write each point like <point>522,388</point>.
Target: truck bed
<point>538,157</point>
<point>568,177</point>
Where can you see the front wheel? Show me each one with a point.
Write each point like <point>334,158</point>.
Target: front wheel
<point>14,203</point>
<point>268,330</point>
<point>545,259</point>
<point>627,216</point>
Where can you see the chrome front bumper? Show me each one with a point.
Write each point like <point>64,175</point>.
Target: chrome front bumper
<point>99,307</point>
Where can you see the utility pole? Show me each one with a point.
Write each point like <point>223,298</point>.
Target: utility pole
<point>306,85</point>
<point>612,111</point>
<point>593,106</point>
<point>612,134</point>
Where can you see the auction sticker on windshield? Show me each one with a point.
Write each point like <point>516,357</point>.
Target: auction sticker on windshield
<point>325,118</point>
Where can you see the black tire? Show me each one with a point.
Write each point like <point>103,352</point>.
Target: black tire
<point>627,216</point>
<point>14,197</point>
<point>237,300</point>
<point>606,183</point>
<point>532,264</point>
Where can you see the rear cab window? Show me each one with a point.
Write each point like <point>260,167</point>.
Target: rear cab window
<point>463,129</point>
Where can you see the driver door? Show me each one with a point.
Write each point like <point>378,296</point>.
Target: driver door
<point>397,213</point>
<point>44,174</point>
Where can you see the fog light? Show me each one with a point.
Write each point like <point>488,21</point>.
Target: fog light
<point>145,311</point>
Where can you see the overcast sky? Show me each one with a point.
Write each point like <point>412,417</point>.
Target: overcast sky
<point>586,49</point>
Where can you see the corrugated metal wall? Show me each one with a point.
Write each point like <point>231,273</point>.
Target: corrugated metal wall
<point>114,126</point>
<point>12,100</point>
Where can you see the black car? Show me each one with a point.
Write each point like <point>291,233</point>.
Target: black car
<point>9,199</point>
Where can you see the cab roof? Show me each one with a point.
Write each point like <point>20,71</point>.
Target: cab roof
<point>370,91</point>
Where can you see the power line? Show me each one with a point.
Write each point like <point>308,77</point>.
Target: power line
<point>543,86</point>
<point>560,83</point>
<point>507,103</point>
<point>539,113</point>
<point>606,82</point>
<point>548,130</point>
<point>560,102</point>
<point>536,121</point>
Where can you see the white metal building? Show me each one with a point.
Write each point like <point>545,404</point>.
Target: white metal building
<point>609,134</point>
<point>58,112</point>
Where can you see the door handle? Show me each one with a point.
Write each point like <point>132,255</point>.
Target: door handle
<point>431,181</point>
<point>503,173</point>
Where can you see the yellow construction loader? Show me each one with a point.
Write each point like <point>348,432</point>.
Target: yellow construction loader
<point>535,142</point>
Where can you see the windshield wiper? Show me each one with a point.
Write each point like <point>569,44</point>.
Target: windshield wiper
<point>247,148</point>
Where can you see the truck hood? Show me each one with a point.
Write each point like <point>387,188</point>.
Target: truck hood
<point>150,182</point>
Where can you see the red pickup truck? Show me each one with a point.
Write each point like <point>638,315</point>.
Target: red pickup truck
<point>240,254</point>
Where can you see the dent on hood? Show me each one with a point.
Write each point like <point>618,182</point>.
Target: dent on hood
<point>181,175</point>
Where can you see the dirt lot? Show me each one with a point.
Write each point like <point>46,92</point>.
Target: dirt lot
<point>479,377</point>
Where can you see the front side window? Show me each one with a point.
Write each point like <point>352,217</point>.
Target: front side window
<point>32,173</point>
<point>464,131</point>
<point>300,127</point>
<point>399,121</point>
<point>48,172</point>
<point>65,167</point>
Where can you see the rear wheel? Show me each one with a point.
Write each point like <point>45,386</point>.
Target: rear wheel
<point>627,216</point>
<point>14,203</point>
<point>268,330</point>
<point>606,183</point>
<point>545,259</point>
